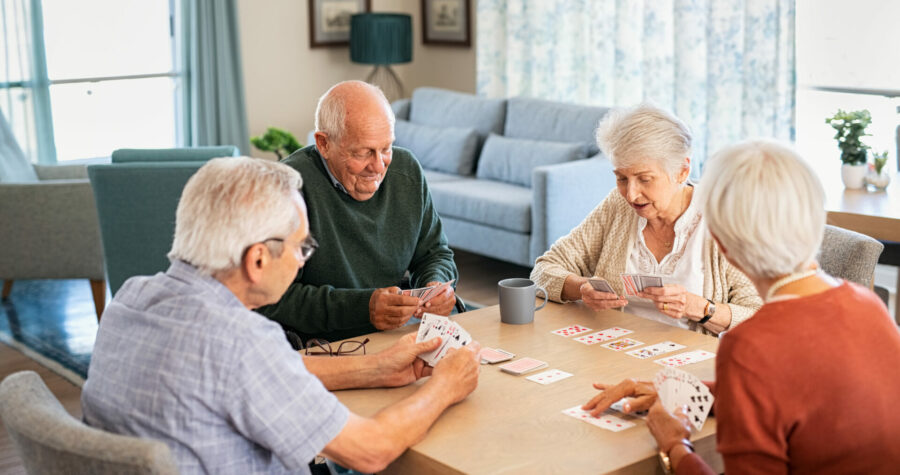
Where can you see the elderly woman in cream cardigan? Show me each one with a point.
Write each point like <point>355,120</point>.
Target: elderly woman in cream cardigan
<point>650,225</point>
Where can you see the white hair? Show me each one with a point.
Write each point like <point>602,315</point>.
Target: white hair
<point>331,111</point>
<point>230,204</point>
<point>766,206</point>
<point>629,136</point>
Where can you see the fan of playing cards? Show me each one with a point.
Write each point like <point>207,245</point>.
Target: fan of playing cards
<point>428,293</point>
<point>677,388</point>
<point>452,336</point>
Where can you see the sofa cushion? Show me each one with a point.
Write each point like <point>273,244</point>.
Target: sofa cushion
<point>487,202</point>
<point>512,160</point>
<point>539,119</point>
<point>401,108</point>
<point>432,176</point>
<point>443,108</point>
<point>445,149</point>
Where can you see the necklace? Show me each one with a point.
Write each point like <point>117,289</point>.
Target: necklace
<point>787,280</point>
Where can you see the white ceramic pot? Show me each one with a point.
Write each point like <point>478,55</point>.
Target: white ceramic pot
<point>854,176</point>
<point>879,180</point>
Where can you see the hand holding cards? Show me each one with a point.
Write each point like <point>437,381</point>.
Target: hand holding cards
<point>451,333</point>
<point>677,388</point>
<point>428,293</point>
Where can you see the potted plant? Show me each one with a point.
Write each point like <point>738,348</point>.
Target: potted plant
<point>278,141</point>
<point>878,177</point>
<point>850,127</point>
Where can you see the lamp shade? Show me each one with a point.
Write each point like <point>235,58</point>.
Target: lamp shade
<point>380,38</point>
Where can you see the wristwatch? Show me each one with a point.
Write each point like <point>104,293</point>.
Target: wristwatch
<point>708,311</point>
<point>664,460</point>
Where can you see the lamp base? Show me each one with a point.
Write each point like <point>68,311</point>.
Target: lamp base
<point>385,78</point>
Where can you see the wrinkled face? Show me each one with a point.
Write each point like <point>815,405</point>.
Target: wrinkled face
<point>361,158</point>
<point>285,267</point>
<point>649,189</point>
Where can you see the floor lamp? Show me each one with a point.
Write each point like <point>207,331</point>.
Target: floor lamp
<point>382,39</point>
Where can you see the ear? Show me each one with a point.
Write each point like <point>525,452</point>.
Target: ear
<point>685,170</point>
<point>322,143</point>
<point>256,259</point>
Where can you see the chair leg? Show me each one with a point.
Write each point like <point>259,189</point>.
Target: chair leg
<point>98,288</point>
<point>7,288</point>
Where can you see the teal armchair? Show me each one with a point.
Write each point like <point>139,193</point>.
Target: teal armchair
<point>136,198</point>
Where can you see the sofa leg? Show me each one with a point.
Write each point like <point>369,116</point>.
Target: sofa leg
<point>7,288</point>
<point>98,288</point>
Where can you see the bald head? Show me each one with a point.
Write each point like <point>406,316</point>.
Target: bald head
<point>349,105</point>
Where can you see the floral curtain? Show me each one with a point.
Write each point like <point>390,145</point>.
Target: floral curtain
<point>726,67</point>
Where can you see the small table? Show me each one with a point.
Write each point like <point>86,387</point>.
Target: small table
<point>512,425</point>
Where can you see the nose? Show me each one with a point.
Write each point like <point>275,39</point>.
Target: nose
<point>378,164</point>
<point>631,191</point>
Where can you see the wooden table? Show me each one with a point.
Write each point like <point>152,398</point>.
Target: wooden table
<point>512,425</point>
<point>874,213</point>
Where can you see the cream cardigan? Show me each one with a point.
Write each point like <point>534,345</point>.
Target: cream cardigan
<point>601,244</point>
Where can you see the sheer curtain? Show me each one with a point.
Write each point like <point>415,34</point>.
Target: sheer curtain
<point>726,67</point>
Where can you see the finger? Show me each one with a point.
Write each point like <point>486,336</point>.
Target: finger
<point>640,403</point>
<point>476,348</point>
<point>427,345</point>
<point>400,310</point>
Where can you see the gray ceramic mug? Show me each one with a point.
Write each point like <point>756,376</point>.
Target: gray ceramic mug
<point>517,300</point>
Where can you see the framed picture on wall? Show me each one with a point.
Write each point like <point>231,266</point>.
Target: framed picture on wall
<point>329,21</point>
<point>447,22</point>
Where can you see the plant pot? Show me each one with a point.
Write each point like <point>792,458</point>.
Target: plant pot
<point>854,176</point>
<point>879,180</point>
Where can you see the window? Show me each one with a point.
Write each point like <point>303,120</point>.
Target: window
<point>847,58</point>
<point>111,77</point>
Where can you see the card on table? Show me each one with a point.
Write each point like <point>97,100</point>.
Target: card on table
<point>677,388</point>
<point>571,330</point>
<point>605,420</point>
<point>495,355</point>
<point>682,359</point>
<point>522,366</point>
<point>603,335</point>
<point>622,344</point>
<point>654,350</point>
<point>549,376</point>
<point>601,285</point>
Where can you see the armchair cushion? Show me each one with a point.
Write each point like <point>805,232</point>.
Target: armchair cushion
<point>512,160</point>
<point>443,108</point>
<point>480,201</point>
<point>445,149</point>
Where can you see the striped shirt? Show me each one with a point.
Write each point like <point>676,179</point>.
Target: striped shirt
<point>179,358</point>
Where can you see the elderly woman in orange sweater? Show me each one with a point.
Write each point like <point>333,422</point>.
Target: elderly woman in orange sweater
<point>650,224</point>
<point>809,384</point>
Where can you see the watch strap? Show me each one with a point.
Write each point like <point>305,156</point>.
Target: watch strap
<point>707,312</point>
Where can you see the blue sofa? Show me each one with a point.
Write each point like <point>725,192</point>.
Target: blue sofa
<point>508,176</point>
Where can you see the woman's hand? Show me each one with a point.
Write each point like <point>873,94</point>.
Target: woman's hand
<point>668,429</point>
<point>675,301</point>
<point>598,300</point>
<point>642,396</point>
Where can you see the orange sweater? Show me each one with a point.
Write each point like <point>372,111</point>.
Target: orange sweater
<point>810,385</point>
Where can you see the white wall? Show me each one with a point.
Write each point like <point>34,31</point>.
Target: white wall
<point>284,77</point>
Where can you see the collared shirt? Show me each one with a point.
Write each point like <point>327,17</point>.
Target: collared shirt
<point>334,181</point>
<point>178,358</point>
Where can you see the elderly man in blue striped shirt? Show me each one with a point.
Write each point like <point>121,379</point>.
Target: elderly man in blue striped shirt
<point>181,357</point>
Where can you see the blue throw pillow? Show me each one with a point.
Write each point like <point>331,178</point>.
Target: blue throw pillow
<point>444,149</point>
<point>512,160</point>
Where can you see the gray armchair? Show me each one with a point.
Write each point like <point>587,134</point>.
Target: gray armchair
<point>51,441</point>
<point>849,255</point>
<point>50,228</point>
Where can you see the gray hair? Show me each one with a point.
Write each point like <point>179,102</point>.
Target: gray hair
<point>629,136</point>
<point>331,111</point>
<point>231,204</point>
<point>766,206</point>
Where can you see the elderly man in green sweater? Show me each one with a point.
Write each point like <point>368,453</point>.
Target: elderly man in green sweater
<point>372,225</point>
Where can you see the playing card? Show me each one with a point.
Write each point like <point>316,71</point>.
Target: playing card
<point>601,336</point>
<point>436,290</point>
<point>571,330</point>
<point>654,350</point>
<point>682,359</point>
<point>522,366</point>
<point>622,344</point>
<point>677,388</point>
<point>630,287</point>
<point>428,319</point>
<point>606,421</point>
<point>549,376</point>
<point>601,285</point>
<point>650,281</point>
<point>618,406</point>
<point>495,355</point>
<point>451,333</point>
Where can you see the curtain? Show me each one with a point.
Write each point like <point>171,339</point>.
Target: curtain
<point>214,94</point>
<point>725,67</point>
<point>24,85</point>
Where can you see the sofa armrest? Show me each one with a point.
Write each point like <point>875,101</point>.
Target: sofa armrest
<point>61,172</point>
<point>563,195</point>
<point>50,231</point>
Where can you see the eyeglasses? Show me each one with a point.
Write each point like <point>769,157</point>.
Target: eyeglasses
<point>317,347</point>
<point>304,250</point>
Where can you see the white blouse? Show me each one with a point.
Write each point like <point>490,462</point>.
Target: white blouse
<point>684,265</point>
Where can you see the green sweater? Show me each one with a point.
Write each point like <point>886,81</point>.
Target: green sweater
<point>363,245</point>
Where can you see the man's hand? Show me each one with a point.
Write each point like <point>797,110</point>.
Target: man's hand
<point>458,371</point>
<point>642,393</point>
<point>441,304</point>
<point>599,300</point>
<point>388,309</point>
<point>400,362</point>
<point>668,429</point>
